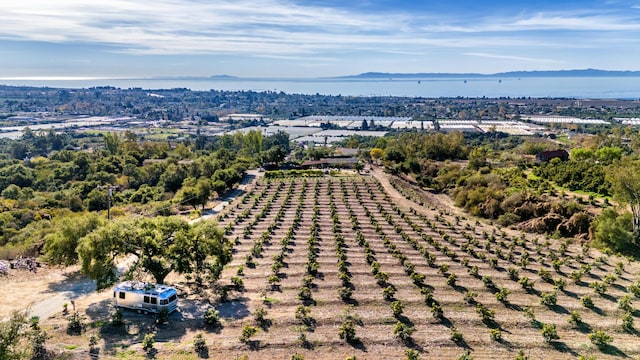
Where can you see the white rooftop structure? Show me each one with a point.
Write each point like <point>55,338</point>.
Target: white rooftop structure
<point>547,119</point>
<point>628,121</point>
<point>412,124</point>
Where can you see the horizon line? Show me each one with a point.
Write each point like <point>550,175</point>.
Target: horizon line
<point>234,77</point>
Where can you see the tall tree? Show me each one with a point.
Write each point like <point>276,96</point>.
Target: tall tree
<point>60,246</point>
<point>613,231</point>
<point>112,143</point>
<point>376,154</point>
<point>160,245</point>
<point>625,182</point>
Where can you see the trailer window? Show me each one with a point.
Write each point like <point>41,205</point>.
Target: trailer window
<point>146,299</point>
<point>173,298</point>
<point>154,301</point>
<point>114,294</point>
<point>164,301</point>
<point>122,295</point>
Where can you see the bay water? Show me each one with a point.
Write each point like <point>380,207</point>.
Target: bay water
<point>491,87</point>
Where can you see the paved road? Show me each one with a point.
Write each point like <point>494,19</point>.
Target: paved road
<point>69,290</point>
<point>247,182</point>
<point>53,304</point>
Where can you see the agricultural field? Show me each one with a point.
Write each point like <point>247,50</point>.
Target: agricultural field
<point>332,267</point>
<point>336,268</point>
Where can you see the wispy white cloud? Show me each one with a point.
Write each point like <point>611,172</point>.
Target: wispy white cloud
<point>584,23</point>
<point>513,57</point>
<point>290,30</point>
<point>167,26</point>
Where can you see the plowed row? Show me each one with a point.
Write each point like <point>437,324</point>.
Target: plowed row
<point>293,221</point>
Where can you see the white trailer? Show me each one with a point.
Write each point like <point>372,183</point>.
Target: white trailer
<point>144,297</point>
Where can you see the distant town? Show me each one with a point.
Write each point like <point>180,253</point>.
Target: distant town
<point>308,119</point>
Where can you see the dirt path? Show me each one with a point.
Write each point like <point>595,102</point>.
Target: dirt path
<point>441,202</point>
<point>246,184</point>
<point>437,201</point>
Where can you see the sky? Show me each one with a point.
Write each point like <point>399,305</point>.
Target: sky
<point>312,38</point>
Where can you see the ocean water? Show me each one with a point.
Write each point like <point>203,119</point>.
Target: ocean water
<point>557,87</point>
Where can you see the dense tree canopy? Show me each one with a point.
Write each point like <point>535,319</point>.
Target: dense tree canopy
<point>50,175</point>
<point>157,246</point>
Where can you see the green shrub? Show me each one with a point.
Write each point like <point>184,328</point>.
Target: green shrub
<point>345,293</point>
<point>549,333</point>
<point>451,280</point>
<point>302,315</point>
<point>624,303</point>
<point>237,282</point>
<point>347,331</point>
<point>397,308</point>
<point>627,322</point>
<point>411,354</point>
<point>529,313</point>
<point>545,275</point>
<point>116,317</point>
<point>211,317</point>
<point>466,355</point>
<point>600,339</point>
<point>437,312</point>
<point>488,282</point>
<point>575,318</point>
<point>470,297</point>
<point>634,289</point>
<point>486,315</point>
<point>513,274</point>
<point>37,339</point>
<point>248,332</point>
<point>560,284</point>
<point>495,334</point>
<point>74,327</point>
<point>586,301</point>
<point>502,294</point>
<point>260,315</point>
<point>456,336</point>
<point>200,345</point>
<point>388,293</point>
<point>599,287</point>
<point>148,342</point>
<point>587,357</point>
<point>521,356</point>
<point>403,331</point>
<point>443,268</point>
<point>305,294</point>
<point>576,276</point>
<point>526,283</point>
<point>549,299</point>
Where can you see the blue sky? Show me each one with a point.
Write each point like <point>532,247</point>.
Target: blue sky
<point>312,38</point>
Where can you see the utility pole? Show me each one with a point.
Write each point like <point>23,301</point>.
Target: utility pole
<point>110,189</point>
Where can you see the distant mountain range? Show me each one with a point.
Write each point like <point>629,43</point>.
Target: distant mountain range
<point>418,76</point>
<point>518,74</point>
